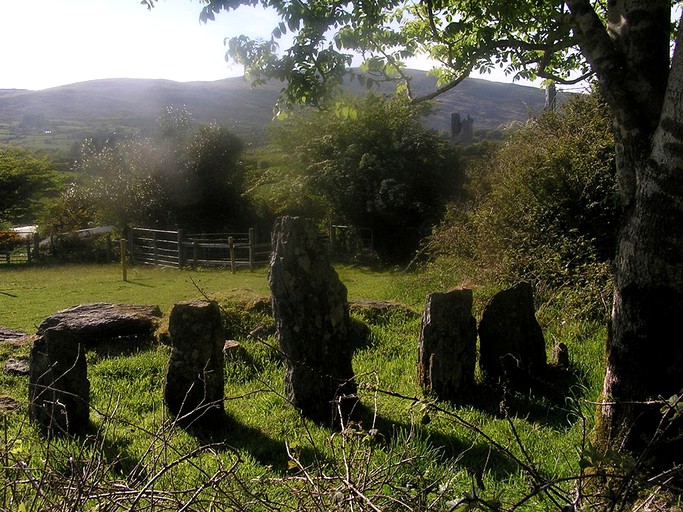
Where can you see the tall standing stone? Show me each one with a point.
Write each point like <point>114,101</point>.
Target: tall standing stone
<point>511,340</point>
<point>59,390</point>
<point>447,347</point>
<point>312,319</point>
<point>194,384</point>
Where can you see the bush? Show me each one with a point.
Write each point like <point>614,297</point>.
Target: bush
<point>543,206</point>
<point>9,240</point>
<point>370,163</point>
<point>26,180</point>
<point>185,178</point>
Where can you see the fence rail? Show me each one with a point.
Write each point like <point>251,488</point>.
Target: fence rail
<point>177,249</point>
<point>21,252</point>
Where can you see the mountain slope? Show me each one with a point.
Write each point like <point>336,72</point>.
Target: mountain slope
<point>71,112</point>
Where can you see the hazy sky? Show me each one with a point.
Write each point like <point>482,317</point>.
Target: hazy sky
<point>46,43</point>
<point>54,42</point>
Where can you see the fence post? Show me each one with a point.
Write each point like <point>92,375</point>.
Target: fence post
<point>109,249</point>
<point>251,248</point>
<point>231,245</point>
<point>131,239</point>
<point>181,259</point>
<point>124,263</point>
<point>195,251</point>
<point>155,255</point>
<point>333,238</point>
<point>36,245</point>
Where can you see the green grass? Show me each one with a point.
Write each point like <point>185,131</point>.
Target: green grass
<point>29,294</point>
<point>401,450</point>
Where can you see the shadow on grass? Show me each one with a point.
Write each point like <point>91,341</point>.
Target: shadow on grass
<point>477,457</point>
<point>236,436</point>
<point>138,283</point>
<point>122,346</point>
<point>546,399</point>
<point>540,402</point>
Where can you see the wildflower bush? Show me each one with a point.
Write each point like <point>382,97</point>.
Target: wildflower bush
<point>9,240</point>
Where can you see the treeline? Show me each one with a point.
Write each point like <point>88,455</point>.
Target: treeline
<point>539,205</point>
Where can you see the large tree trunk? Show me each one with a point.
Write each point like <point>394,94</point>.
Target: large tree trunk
<point>645,347</point>
<point>645,92</point>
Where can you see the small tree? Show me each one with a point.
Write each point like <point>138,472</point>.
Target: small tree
<point>26,180</point>
<point>373,165</point>
<point>189,176</point>
<point>207,192</point>
<point>122,184</point>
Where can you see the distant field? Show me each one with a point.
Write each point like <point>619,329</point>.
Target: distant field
<point>29,294</point>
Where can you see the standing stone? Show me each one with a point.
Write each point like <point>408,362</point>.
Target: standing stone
<point>193,388</point>
<point>59,390</point>
<point>447,345</point>
<point>312,319</point>
<point>511,340</point>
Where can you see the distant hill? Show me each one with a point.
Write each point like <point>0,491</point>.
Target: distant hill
<point>55,118</point>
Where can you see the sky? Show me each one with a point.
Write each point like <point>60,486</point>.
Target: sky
<point>47,43</point>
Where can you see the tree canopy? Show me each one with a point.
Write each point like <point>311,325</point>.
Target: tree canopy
<point>370,163</point>
<point>25,180</point>
<point>552,39</point>
<point>188,176</point>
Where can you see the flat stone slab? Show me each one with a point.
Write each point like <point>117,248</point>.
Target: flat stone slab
<point>7,334</point>
<point>17,366</point>
<point>8,404</point>
<point>105,321</point>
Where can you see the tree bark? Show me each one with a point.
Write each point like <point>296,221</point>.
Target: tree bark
<point>644,348</point>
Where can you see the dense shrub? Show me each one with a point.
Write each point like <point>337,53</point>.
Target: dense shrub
<point>543,206</point>
<point>26,180</point>
<point>189,177</point>
<point>370,163</point>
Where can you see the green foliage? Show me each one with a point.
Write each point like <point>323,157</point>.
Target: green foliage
<point>121,183</point>
<point>189,177</point>
<point>546,206</point>
<point>74,209</point>
<point>208,191</point>
<point>26,180</point>
<point>526,38</point>
<point>370,163</point>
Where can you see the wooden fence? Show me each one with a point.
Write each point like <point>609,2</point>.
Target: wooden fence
<point>349,242</point>
<point>178,249</point>
<point>22,252</point>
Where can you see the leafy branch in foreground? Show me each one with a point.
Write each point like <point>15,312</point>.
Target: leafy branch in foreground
<point>363,470</point>
<point>606,479</point>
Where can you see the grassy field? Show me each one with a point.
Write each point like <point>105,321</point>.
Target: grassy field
<point>519,449</point>
<point>29,294</point>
